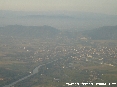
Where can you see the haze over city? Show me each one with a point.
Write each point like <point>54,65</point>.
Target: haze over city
<point>48,43</point>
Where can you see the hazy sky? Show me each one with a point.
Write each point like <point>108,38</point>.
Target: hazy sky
<point>98,6</point>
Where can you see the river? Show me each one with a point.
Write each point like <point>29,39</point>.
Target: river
<point>33,73</point>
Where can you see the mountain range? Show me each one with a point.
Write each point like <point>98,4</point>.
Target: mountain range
<point>102,33</point>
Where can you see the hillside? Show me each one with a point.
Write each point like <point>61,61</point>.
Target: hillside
<point>29,31</point>
<point>102,33</point>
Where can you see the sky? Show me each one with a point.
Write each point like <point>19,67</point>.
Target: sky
<point>95,6</point>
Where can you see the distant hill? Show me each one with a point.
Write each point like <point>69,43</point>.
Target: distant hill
<point>103,33</point>
<point>29,31</point>
<point>48,16</point>
<point>58,19</point>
